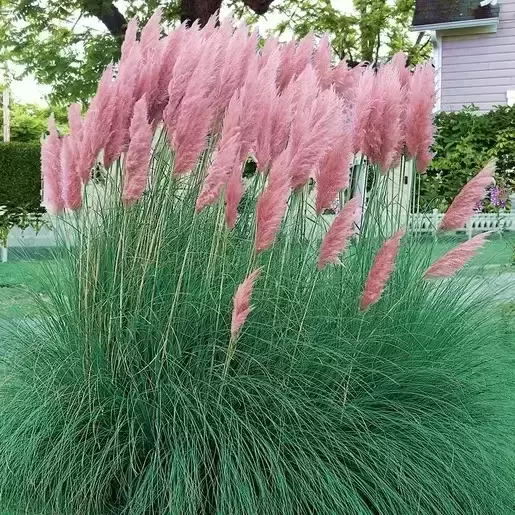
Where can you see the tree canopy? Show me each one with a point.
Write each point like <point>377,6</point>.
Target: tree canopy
<point>67,43</point>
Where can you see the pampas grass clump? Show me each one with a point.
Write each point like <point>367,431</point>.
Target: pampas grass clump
<point>141,392</point>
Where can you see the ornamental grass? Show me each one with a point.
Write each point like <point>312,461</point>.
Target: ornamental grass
<point>216,344</point>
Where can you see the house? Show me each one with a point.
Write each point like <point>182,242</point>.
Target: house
<point>474,50</point>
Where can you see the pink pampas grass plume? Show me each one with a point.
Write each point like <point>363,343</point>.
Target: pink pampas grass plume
<point>271,45</point>
<point>457,258</point>
<point>129,40</point>
<point>345,81</point>
<point>385,132</point>
<point>138,154</point>
<point>337,238</point>
<point>226,158</point>
<point>241,302</point>
<point>75,123</point>
<point>125,99</point>
<point>303,53</point>
<point>151,33</point>
<point>71,181</point>
<point>381,270</point>
<point>233,68</point>
<point>75,119</point>
<point>463,206</point>
<point>365,104</point>
<point>287,68</point>
<point>191,48</point>
<point>419,115</point>
<point>315,132</point>
<point>399,64</point>
<point>282,116</point>
<point>196,111</point>
<point>322,62</point>
<point>98,122</point>
<point>273,202</point>
<point>257,94</point>
<point>233,195</point>
<point>51,168</point>
<point>333,173</point>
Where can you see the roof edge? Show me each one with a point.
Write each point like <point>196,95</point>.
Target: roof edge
<point>482,22</point>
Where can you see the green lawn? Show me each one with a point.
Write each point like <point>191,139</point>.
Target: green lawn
<point>20,284</point>
<point>19,277</point>
<point>499,251</point>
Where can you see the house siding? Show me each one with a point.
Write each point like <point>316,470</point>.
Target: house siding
<point>479,69</point>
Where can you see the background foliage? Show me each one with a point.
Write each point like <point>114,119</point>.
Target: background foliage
<point>20,184</point>
<point>464,142</point>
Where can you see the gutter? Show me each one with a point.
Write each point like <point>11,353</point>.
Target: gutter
<point>484,22</point>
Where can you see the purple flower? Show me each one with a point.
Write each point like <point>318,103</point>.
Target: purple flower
<point>494,196</point>
<point>479,206</point>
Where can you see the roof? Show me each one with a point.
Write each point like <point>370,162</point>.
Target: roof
<point>433,12</point>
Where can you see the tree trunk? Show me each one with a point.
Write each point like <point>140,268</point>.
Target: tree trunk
<point>191,10</point>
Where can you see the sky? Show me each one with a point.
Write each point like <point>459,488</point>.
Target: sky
<point>29,91</point>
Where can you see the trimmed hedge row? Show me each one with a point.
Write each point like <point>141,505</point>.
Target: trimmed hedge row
<point>20,177</point>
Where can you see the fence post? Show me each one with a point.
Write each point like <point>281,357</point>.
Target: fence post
<point>469,229</point>
<point>435,219</point>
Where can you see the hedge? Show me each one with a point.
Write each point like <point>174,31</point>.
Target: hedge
<point>20,177</point>
<point>464,142</point>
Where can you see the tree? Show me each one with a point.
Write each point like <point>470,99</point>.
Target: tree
<point>376,29</point>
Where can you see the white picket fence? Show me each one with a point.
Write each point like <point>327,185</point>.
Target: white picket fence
<point>480,222</point>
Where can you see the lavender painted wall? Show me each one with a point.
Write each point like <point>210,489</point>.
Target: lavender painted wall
<point>480,68</point>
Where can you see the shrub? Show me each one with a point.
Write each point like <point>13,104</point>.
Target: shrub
<point>140,393</point>
<point>20,178</point>
<point>464,142</point>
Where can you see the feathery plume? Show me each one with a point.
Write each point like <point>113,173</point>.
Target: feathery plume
<point>333,173</point>
<point>303,54</point>
<point>98,122</point>
<point>280,123</point>
<point>337,237</point>
<point>387,121</point>
<point>182,72</point>
<point>151,33</point>
<point>381,270</point>
<point>241,302</point>
<point>125,98</point>
<point>138,153</point>
<point>271,46</point>
<point>322,62</point>
<point>51,168</point>
<point>287,68</point>
<point>71,181</point>
<point>129,40</point>
<point>75,119</point>
<point>457,258</point>
<point>419,114</point>
<point>232,70</point>
<point>272,204</point>
<point>196,110</point>
<point>226,158</point>
<point>75,123</point>
<point>313,134</point>
<point>345,81</point>
<point>364,105</point>
<point>463,206</point>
